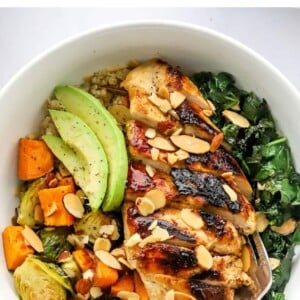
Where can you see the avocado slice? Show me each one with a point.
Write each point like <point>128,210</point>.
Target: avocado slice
<point>88,150</point>
<point>68,157</point>
<point>99,119</point>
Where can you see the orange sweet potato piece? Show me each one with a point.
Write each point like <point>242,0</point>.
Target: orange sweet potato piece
<point>139,287</point>
<point>15,248</point>
<point>51,200</point>
<point>67,181</point>
<point>124,283</point>
<point>34,159</point>
<point>105,276</point>
<point>84,259</point>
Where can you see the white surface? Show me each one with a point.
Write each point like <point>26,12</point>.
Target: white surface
<point>272,32</point>
<point>22,101</point>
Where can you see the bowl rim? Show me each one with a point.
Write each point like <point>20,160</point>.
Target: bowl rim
<point>148,22</point>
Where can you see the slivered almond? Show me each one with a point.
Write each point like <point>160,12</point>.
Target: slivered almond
<point>150,133</point>
<point>95,292</point>
<point>207,112</point>
<point>118,252</point>
<point>102,244</point>
<point>216,142</point>
<point>125,295</point>
<point>153,225</point>
<point>79,241</point>
<point>176,98</point>
<point>133,240</point>
<point>53,182</point>
<point>286,228</point>
<point>174,114</point>
<point>150,170</point>
<point>126,263</point>
<point>204,258</point>
<point>88,274</point>
<point>170,295</point>
<point>177,131</point>
<point>154,153</point>
<point>63,170</point>
<point>64,257</point>
<point>190,144</point>
<point>106,230</point>
<point>163,92</point>
<point>191,219</point>
<point>145,206</point>
<point>183,296</point>
<point>236,118</point>
<point>73,205</point>
<point>108,259</point>
<point>230,192</point>
<point>116,234</point>
<point>181,154</point>
<point>211,105</point>
<point>161,143</point>
<point>32,239</point>
<point>157,197</point>
<point>261,222</point>
<point>274,263</point>
<point>246,258</point>
<point>149,239</point>
<point>38,214</point>
<point>163,104</point>
<point>161,233</point>
<point>51,209</point>
<point>172,158</point>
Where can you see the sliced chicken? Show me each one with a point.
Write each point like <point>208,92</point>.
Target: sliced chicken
<point>219,163</point>
<point>139,182</point>
<point>217,234</point>
<point>185,188</point>
<point>152,85</point>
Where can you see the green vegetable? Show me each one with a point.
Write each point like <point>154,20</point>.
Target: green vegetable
<point>90,224</point>
<point>36,280</point>
<point>266,158</point>
<point>98,118</point>
<point>83,141</point>
<point>54,241</point>
<point>29,199</point>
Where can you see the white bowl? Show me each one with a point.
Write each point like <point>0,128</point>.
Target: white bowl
<point>193,48</point>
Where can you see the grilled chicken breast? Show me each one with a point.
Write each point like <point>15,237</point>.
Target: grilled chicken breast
<point>190,238</point>
<point>167,258</point>
<point>217,163</point>
<point>152,85</point>
<point>203,191</point>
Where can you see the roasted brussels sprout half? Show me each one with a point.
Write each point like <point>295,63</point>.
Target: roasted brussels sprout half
<point>55,241</point>
<point>29,200</point>
<point>37,280</point>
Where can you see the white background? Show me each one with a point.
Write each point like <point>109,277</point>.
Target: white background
<point>272,32</point>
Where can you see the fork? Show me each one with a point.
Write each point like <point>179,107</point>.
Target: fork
<point>260,271</point>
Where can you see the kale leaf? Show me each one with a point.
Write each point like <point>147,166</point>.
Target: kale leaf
<point>266,158</point>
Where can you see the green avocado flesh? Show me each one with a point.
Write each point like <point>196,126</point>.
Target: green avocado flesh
<point>69,158</point>
<point>87,149</point>
<point>98,118</point>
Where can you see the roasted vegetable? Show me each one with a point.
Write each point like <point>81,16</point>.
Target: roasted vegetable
<point>54,241</point>
<point>15,248</point>
<point>35,159</point>
<point>36,280</point>
<point>28,202</point>
<point>124,283</point>
<point>51,200</point>
<point>90,224</point>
